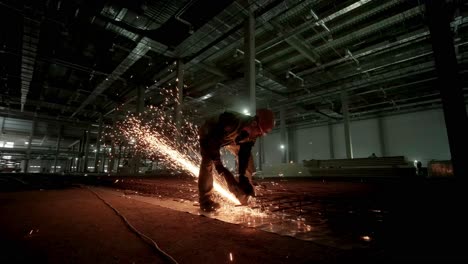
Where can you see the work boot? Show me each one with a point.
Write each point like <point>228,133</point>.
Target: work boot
<point>246,186</point>
<point>209,206</point>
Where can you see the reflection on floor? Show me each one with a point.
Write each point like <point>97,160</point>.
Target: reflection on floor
<point>389,219</point>
<point>273,210</point>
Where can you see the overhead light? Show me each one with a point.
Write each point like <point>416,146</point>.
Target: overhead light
<point>206,96</point>
<point>281,146</point>
<point>7,144</point>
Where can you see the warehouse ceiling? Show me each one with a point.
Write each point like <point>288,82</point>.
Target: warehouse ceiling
<point>73,61</point>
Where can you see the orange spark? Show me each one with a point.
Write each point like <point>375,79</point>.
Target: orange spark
<point>158,139</point>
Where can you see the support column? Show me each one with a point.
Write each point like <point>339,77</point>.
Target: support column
<point>79,162</point>
<point>449,82</point>
<point>82,152</point>
<point>135,160</point>
<point>57,148</point>
<point>292,149</point>
<point>73,160</point>
<point>78,157</point>
<point>98,145</point>
<point>104,160</point>
<point>250,75</point>
<point>347,132</point>
<point>120,157</point>
<point>249,57</point>
<point>67,168</point>
<point>283,139</point>
<point>74,154</point>
<point>87,140</point>
<point>28,151</point>
<point>110,165</point>
<point>331,143</point>
<point>3,126</point>
<point>381,131</point>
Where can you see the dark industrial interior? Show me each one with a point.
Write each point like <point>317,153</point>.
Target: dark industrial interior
<point>366,162</point>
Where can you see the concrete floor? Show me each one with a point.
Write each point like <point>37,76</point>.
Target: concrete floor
<point>48,219</point>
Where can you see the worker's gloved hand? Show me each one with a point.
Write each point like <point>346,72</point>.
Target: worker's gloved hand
<point>246,186</point>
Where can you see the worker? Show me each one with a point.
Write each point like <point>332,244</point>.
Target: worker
<point>237,133</point>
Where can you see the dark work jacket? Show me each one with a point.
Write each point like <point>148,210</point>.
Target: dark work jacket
<point>224,130</point>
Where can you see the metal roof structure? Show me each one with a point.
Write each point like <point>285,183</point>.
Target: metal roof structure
<point>67,63</point>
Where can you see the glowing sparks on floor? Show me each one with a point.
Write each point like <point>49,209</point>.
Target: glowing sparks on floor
<point>366,238</point>
<point>152,134</point>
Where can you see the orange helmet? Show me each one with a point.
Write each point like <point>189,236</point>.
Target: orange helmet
<point>265,119</point>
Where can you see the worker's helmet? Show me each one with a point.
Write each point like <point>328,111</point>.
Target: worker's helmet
<point>265,119</point>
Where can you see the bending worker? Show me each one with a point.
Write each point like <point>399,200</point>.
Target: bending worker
<point>237,133</point>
